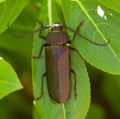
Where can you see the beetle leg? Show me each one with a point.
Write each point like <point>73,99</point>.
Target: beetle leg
<point>75,32</point>
<point>41,24</point>
<point>42,92</point>
<point>75,91</point>
<point>44,45</point>
<point>71,48</point>
<point>43,37</point>
<point>36,57</point>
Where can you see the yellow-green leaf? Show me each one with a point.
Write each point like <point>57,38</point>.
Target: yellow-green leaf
<point>9,10</point>
<point>9,81</point>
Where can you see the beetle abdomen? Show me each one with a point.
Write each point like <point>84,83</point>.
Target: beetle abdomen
<point>58,73</point>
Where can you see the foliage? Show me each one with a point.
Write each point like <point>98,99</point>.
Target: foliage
<point>100,24</point>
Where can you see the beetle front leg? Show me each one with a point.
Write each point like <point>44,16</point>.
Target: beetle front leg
<point>42,26</point>
<point>42,92</point>
<point>75,32</point>
<point>75,91</point>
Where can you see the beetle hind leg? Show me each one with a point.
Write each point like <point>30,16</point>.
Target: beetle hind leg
<point>75,91</point>
<point>42,92</point>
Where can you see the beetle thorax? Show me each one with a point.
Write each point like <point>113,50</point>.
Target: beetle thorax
<point>58,37</point>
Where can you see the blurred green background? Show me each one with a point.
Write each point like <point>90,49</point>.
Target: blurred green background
<point>18,52</point>
<point>105,88</point>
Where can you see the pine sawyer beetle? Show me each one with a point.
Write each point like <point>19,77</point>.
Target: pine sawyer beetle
<point>58,65</point>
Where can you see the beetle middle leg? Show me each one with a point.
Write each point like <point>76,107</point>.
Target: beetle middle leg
<point>36,57</point>
<point>44,45</point>
<point>75,50</point>
<point>75,91</point>
<point>42,92</point>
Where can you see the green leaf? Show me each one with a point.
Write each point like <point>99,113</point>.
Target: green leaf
<point>112,4</point>
<point>73,109</point>
<point>9,81</point>
<point>9,11</point>
<point>98,28</point>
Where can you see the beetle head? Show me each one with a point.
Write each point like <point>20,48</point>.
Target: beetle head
<point>56,27</point>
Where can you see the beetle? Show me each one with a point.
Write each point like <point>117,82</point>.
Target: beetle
<point>58,69</point>
<point>58,64</point>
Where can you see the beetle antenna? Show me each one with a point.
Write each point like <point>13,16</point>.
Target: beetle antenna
<point>104,44</point>
<point>85,38</point>
<point>27,34</point>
